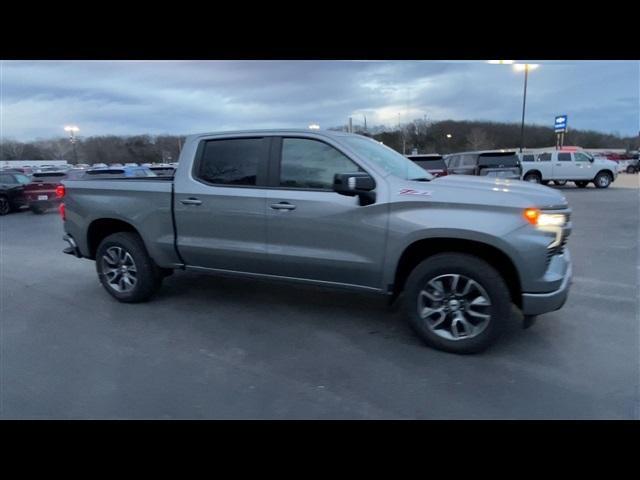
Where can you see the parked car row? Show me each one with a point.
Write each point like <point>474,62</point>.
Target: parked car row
<point>40,189</point>
<point>558,166</point>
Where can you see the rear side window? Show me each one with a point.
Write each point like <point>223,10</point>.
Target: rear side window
<point>312,164</point>
<point>564,157</point>
<point>468,160</point>
<point>234,161</point>
<point>452,161</point>
<point>498,160</point>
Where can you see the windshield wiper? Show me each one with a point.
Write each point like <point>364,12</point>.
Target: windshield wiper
<point>421,179</point>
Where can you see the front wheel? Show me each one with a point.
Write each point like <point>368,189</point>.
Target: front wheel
<point>532,177</point>
<point>125,269</point>
<point>602,180</point>
<point>631,169</point>
<point>457,302</point>
<point>581,184</point>
<point>5,206</point>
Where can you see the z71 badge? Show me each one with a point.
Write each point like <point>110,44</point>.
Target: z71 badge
<point>411,191</point>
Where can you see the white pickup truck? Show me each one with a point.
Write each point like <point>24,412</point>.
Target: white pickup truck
<point>563,166</point>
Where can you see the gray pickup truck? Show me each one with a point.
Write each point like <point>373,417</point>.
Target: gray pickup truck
<point>332,209</point>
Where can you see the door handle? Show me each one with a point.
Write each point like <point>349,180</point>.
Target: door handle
<point>283,206</point>
<point>191,201</point>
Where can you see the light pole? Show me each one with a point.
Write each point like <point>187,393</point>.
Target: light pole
<point>519,67</point>
<point>72,129</point>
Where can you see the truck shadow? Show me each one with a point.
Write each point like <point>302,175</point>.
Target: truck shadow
<point>273,303</point>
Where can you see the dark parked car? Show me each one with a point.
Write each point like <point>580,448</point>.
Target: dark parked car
<point>634,165</point>
<point>499,164</point>
<point>12,185</point>
<point>432,163</point>
<point>43,192</point>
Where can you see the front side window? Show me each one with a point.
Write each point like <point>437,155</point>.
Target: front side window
<point>564,157</point>
<point>234,161</point>
<point>528,158</point>
<point>312,164</point>
<point>544,157</point>
<point>580,157</point>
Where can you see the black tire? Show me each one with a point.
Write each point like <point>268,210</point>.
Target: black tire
<point>560,183</point>
<point>533,177</point>
<point>5,206</point>
<point>545,182</point>
<point>148,277</point>
<point>581,184</point>
<point>475,269</point>
<point>602,180</point>
<point>632,169</point>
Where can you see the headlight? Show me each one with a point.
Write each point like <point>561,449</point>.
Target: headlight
<point>539,219</point>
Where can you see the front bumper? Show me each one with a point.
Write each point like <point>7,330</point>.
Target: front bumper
<point>539,303</point>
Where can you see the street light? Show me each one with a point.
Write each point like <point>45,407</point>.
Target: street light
<point>524,67</point>
<point>314,126</point>
<point>519,67</point>
<point>72,129</point>
<point>449,135</point>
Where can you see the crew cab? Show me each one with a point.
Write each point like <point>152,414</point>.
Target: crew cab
<point>568,166</point>
<point>332,209</point>
<point>489,163</point>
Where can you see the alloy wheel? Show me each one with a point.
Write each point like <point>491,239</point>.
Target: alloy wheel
<point>119,269</point>
<point>454,307</point>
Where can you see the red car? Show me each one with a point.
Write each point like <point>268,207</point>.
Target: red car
<point>432,163</point>
<point>44,191</point>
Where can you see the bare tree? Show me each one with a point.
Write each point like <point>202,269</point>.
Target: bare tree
<point>477,139</point>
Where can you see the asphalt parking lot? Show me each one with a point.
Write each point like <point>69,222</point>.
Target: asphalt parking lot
<point>216,348</point>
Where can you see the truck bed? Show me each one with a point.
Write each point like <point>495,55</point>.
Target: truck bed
<point>145,201</point>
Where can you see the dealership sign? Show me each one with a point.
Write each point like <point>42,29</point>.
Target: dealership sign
<point>560,125</point>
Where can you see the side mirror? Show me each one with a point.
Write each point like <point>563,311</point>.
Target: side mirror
<point>591,159</point>
<point>355,184</point>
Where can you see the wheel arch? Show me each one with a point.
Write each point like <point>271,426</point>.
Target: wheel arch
<point>422,249</point>
<point>101,228</point>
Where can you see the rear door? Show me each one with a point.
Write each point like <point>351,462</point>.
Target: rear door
<point>563,166</point>
<point>314,233</point>
<point>220,205</point>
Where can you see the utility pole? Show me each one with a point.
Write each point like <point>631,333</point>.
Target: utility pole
<point>524,104</point>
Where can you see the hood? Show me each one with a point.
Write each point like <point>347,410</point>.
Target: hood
<point>484,191</point>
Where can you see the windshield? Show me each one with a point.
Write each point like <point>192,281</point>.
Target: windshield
<point>386,158</point>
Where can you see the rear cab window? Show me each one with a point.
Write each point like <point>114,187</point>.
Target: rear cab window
<point>233,161</point>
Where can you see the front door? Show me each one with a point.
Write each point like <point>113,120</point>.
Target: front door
<point>314,233</point>
<point>583,168</point>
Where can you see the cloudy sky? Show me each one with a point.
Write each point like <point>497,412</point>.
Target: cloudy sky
<point>180,97</point>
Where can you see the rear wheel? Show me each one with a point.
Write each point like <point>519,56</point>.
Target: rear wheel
<point>581,184</point>
<point>125,269</point>
<point>457,302</point>
<point>5,206</point>
<point>532,177</point>
<point>602,180</point>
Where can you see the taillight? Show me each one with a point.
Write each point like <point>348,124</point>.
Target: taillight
<point>62,212</point>
<point>60,191</point>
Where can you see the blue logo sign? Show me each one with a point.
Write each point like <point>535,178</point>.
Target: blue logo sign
<point>560,124</point>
